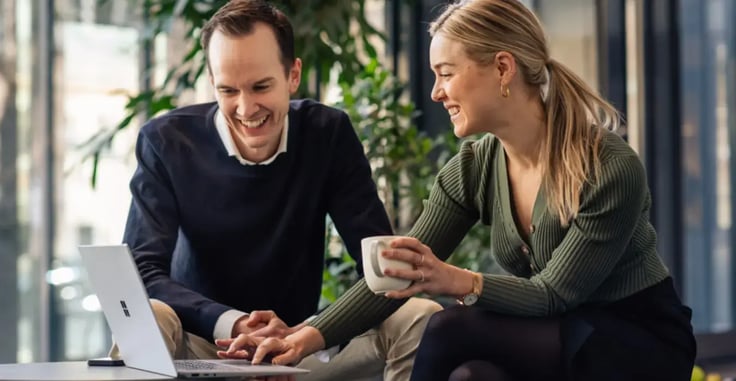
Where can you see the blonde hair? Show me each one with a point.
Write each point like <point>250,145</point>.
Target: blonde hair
<point>573,110</point>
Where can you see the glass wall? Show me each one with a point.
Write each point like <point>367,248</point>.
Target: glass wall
<point>97,62</point>
<point>708,136</point>
<point>65,68</point>
<point>572,43</point>
<point>9,226</point>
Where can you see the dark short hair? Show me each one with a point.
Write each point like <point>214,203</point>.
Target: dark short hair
<point>237,17</point>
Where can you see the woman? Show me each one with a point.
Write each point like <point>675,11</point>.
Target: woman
<point>566,199</point>
<point>568,206</point>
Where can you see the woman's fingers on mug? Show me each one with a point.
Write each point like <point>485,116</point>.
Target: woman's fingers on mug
<point>412,244</point>
<point>401,254</point>
<point>410,274</point>
<point>405,293</point>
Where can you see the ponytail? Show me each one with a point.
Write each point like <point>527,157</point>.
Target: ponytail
<point>576,115</point>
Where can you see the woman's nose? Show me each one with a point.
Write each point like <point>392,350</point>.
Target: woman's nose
<point>437,93</point>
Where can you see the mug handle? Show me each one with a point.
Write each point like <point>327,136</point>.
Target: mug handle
<point>375,263</point>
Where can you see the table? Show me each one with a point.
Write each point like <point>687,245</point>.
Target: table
<point>73,370</point>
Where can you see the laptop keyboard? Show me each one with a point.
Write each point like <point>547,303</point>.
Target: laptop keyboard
<point>195,365</point>
<point>188,365</point>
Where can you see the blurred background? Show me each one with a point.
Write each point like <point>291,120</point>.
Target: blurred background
<point>79,77</point>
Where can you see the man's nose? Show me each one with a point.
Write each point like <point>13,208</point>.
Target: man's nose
<point>247,105</point>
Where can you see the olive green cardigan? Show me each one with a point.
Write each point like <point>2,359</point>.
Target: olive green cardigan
<point>606,253</point>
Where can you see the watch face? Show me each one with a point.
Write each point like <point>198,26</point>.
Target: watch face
<point>470,299</point>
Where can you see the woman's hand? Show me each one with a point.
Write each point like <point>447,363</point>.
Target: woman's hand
<point>430,275</point>
<point>258,349</point>
<point>287,351</point>
<point>247,347</point>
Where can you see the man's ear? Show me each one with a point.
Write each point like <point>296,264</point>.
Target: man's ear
<point>295,75</point>
<point>506,66</point>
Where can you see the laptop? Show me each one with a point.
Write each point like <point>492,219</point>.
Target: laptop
<point>115,279</point>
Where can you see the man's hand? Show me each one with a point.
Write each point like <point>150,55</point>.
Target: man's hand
<point>262,324</point>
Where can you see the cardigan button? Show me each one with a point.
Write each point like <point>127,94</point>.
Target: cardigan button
<point>525,250</point>
<point>531,228</point>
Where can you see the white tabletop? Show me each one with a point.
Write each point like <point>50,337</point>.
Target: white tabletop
<point>73,370</point>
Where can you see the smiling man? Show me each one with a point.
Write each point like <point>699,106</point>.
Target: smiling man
<point>230,201</point>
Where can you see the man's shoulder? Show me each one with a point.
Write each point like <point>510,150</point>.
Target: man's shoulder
<point>179,120</point>
<point>311,113</point>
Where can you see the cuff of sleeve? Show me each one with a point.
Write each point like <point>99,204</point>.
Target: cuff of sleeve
<point>225,323</point>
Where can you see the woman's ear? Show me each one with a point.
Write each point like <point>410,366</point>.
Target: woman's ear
<point>506,66</point>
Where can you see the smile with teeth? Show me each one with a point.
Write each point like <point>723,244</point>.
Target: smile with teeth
<point>255,123</point>
<point>454,110</point>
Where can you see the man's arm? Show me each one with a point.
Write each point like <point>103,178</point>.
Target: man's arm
<point>151,232</point>
<point>353,202</point>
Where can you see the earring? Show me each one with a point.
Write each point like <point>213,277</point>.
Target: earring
<point>505,91</point>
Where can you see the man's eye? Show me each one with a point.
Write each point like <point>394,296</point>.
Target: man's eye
<point>444,75</point>
<point>260,88</point>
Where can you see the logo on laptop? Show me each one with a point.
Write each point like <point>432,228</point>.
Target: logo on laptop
<point>125,308</point>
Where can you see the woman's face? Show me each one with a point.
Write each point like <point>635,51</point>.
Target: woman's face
<point>469,91</point>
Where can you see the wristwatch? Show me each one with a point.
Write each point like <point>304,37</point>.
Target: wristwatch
<point>472,297</point>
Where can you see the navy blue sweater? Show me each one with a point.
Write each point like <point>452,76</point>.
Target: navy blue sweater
<point>209,234</point>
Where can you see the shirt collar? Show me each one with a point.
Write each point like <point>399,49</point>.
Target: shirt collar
<point>232,149</point>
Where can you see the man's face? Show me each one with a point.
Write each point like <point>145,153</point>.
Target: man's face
<point>252,88</point>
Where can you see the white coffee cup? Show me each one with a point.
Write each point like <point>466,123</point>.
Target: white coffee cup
<point>374,265</point>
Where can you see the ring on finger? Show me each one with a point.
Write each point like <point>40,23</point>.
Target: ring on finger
<point>421,276</point>
<point>421,260</point>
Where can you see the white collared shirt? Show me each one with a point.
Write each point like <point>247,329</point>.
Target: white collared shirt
<point>226,321</point>
<point>232,149</point>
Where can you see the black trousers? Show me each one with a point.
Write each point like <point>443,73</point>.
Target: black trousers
<point>644,336</point>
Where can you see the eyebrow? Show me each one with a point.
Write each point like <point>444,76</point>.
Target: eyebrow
<point>264,80</point>
<point>441,64</point>
<point>259,82</point>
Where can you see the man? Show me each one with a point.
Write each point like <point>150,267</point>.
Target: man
<point>230,200</point>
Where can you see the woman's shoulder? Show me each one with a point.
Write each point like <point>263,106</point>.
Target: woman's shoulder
<point>480,150</point>
<point>473,163</point>
<point>614,147</point>
<point>619,161</point>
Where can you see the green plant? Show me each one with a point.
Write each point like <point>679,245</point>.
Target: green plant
<point>400,155</point>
